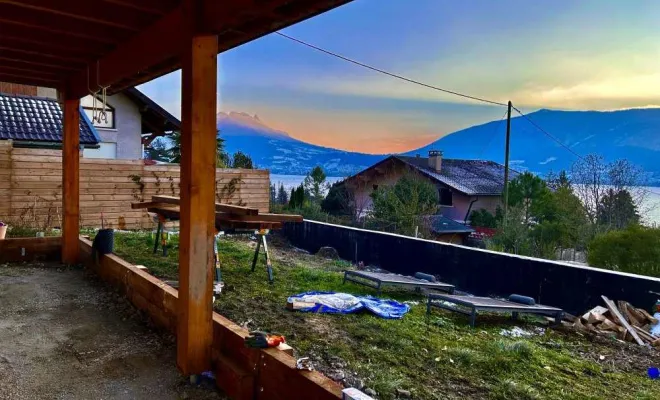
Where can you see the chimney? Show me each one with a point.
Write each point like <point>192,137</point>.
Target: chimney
<point>435,160</point>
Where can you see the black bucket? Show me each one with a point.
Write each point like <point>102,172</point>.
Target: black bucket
<point>104,242</point>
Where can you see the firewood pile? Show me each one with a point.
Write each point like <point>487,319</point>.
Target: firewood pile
<point>622,320</point>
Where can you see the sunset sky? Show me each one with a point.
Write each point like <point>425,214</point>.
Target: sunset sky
<point>565,54</point>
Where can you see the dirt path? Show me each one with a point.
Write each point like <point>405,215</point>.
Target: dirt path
<point>66,336</point>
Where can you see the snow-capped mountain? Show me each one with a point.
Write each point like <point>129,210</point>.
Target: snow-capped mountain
<point>632,134</point>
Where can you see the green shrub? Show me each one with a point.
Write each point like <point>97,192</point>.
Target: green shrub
<point>635,250</point>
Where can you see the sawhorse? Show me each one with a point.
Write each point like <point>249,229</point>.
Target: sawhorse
<point>261,240</point>
<point>160,236</point>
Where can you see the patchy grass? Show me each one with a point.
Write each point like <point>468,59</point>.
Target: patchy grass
<point>435,358</point>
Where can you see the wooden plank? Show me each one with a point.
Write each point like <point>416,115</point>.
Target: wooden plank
<point>70,182</point>
<point>265,217</point>
<point>646,336</point>
<point>30,249</point>
<point>198,157</point>
<point>218,207</point>
<point>148,204</point>
<point>621,320</point>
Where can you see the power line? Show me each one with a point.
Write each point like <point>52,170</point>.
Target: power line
<point>548,134</point>
<point>646,191</point>
<point>388,73</point>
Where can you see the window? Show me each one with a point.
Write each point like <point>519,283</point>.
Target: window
<point>445,197</point>
<point>108,122</point>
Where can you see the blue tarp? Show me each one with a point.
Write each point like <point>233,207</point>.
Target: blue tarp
<point>343,303</point>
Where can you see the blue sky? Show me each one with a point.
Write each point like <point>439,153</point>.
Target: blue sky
<point>565,54</point>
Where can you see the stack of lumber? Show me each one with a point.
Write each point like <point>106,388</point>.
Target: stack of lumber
<point>622,320</point>
<point>227,216</point>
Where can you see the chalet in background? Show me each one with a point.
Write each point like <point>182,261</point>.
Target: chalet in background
<point>463,185</point>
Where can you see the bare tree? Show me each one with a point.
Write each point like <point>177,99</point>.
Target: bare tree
<point>595,181</point>
<point>590,177</point>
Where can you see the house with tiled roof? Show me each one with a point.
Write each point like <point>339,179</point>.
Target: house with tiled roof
<point>118,128</point>
<point>463,185</point>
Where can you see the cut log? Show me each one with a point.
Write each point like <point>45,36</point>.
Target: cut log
<point>593,318</point>
<point>615,311</point>
<point>625,307</point>
<point>649,317</point>
<point>598,310</point>
<point>644,334</point>
<point>607,325</point>
<point>640,317</point>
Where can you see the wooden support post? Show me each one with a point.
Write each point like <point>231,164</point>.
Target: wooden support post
<point>197,204</point>
<point>70,181</point>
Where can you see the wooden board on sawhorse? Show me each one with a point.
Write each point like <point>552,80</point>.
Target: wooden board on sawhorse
<point>261,240</point>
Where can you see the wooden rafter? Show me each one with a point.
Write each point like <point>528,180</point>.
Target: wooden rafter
<point>156,7</point>
<point>96,12</point>
<point>44,21</point>
<point>131,42</point>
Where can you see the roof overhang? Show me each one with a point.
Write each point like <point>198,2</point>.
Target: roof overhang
<point>78,45</point>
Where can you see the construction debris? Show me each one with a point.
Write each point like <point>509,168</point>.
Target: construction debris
<point>304,363</point>
<point>620,320</point>
<point>263,340</point>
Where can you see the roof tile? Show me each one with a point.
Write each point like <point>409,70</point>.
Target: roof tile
<point>472,177</point>
<point>37,119</point>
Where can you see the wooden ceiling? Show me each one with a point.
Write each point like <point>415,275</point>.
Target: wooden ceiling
<point>121,43</point>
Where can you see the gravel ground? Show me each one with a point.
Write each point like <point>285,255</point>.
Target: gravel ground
<point>64,335</point>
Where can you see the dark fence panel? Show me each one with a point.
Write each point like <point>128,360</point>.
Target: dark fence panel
<point>480,272</point>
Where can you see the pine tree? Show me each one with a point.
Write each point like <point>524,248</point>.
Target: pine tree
<point>281,195</point>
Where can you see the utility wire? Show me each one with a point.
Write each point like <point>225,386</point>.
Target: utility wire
<point>388,73</point>
<point>548,134</point>
<point>646,191</point>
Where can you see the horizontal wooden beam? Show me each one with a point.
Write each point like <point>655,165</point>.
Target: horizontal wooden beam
<point>44,21</point>
<point>30,249</point>
<point>222,222</point>
<point>99,13</point>
<point>156,50</point>
<point>154,44</point>
<point>31,71</point>
<point>57,41</point>
<point>228,208</point>
<point>51,47</point>
<point>24,53</point>
<point>46,64</point>
<point>26,80</point>
<point>156,7</point>
<point>262,217</point>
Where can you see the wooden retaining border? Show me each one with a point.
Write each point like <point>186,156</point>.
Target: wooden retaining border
<point>242,373</point>
<point>30,249</point>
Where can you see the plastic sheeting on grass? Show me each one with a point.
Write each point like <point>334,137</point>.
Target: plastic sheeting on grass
<point>344,303</point>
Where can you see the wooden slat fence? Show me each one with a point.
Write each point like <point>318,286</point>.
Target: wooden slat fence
<point>31,188</point>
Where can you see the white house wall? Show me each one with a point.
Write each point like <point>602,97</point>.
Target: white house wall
<point>127,132</point>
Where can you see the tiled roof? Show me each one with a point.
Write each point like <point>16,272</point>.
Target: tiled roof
<point>441,224</point>
<point>37,119</point>
<point>472,177</point>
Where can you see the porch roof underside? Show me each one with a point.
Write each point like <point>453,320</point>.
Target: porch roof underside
<point>75,45</point>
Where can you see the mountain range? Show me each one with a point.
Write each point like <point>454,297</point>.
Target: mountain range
<point>631,134</point>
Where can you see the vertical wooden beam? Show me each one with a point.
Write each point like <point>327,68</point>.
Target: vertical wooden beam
<point>198,158</point>
<point>70,181</point>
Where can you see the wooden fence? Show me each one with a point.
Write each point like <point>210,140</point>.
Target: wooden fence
<point>31,188</point>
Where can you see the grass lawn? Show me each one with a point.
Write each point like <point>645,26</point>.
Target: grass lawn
<point>433,358</point>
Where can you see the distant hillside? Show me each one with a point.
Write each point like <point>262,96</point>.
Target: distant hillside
<point>632,134</point>
<point>283,154</point>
